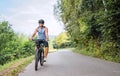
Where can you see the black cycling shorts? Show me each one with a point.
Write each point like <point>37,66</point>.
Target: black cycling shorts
<point>38,42</point>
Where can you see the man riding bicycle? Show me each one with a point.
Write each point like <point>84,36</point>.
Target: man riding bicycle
<point>42,35</point>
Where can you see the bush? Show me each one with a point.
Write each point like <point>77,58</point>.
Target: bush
<point>13,46</point>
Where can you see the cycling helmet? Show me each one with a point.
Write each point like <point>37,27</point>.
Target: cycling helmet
<point>41,21</point>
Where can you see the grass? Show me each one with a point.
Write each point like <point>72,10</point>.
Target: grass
<point>83,51</point>
<point>88,53</point>
<point>14,67</point>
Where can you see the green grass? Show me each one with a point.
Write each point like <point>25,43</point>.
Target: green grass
<point>14,67</point>
<point>88,53</point>
<point>83,51</point>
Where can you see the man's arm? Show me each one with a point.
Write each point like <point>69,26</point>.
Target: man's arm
<point>34,33</point>
<point>46,33</point>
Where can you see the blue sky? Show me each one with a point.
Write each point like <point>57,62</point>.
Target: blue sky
<point>5,5</point>
<point>24,15</point>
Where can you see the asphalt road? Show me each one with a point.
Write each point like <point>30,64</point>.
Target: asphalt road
<point>67,63</point>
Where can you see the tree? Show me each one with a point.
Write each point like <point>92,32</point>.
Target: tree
<point>93,25</point>
<point>13,46</point>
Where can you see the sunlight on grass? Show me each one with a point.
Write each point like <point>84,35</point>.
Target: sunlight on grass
<point>7,65</point>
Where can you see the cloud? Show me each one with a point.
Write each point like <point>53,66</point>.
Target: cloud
<point>24,17</point>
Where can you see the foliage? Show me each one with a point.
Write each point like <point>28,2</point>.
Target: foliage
<point>94,25</point>
<point>62,41</point>
<point>13,46</point>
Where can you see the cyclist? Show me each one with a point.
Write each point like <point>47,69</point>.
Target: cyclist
<point>42,35</point>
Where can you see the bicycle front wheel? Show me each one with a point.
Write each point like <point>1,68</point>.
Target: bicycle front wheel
<point>42,57</point>
<point>36,59</point>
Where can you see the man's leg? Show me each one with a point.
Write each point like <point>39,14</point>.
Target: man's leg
<point>46,52</point>
<point>46,49</point>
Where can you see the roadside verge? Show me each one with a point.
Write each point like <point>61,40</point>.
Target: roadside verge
<point>13,68</point>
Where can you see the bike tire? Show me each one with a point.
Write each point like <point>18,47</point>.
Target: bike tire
<point>42,57</point>
<point>36,60</point>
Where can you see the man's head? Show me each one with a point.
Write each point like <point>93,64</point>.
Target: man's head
<point>41,22</point>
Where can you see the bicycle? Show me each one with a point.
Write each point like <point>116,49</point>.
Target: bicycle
<point>39,55</point>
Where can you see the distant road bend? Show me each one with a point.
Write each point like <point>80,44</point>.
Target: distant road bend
<point>67,63</point>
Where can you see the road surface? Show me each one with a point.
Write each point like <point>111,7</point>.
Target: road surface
<point>67,63</point>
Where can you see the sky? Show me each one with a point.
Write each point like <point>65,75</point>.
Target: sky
<point>23,15</point>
